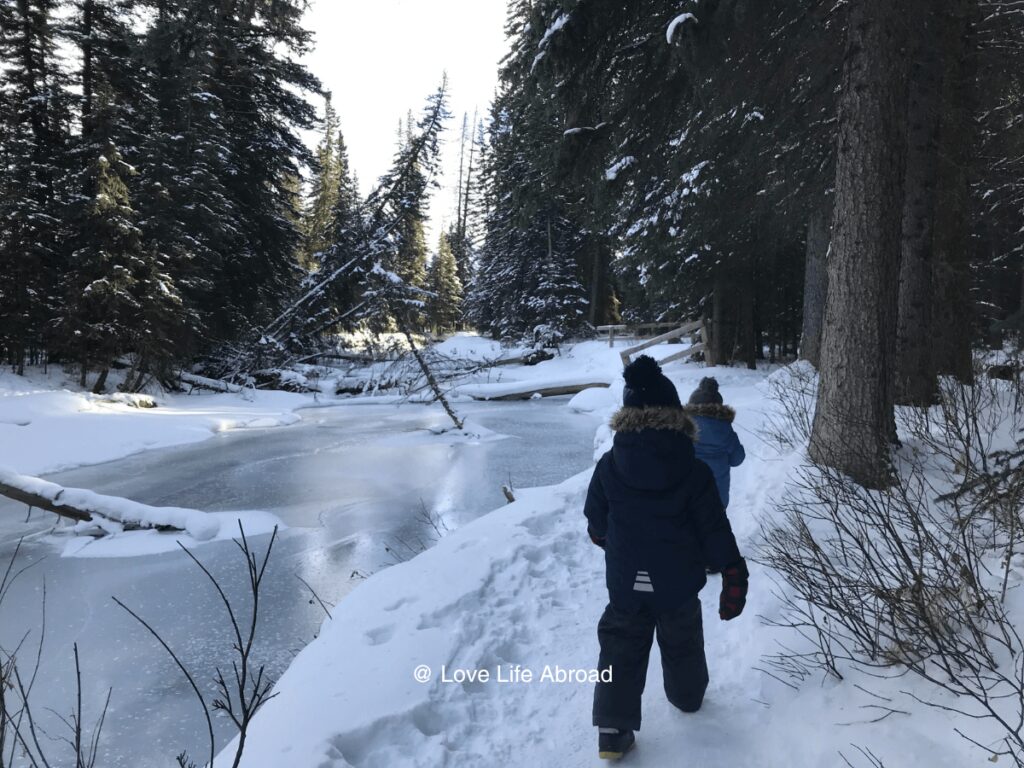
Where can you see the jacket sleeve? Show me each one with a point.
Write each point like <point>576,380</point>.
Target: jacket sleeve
<point>596,506</point>
<point>736,452</point>
<point>711,524</point>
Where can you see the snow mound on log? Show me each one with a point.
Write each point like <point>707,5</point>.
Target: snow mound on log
<point>113,509</point>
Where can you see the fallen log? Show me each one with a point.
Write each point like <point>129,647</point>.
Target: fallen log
<point>110,513</point>
<point>533,358</point>
<point>568,389</point>
<point>215,385</point>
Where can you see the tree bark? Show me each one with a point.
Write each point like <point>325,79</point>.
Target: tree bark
<point>101,382</point>
<point>914,381</point>
<point>854,420</point>
<point>815,284</point>
<point>749,339</point>
<point>39,501</point>
<point>952,310</point>
<point>723,325</point>
<point>431,379</point>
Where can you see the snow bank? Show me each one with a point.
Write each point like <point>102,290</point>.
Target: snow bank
<point>471,347</point>
<point>594,399</point>
<point>45,428</point>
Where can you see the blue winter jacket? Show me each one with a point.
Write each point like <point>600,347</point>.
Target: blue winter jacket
<point>717,443</point>
<point>656,511</point>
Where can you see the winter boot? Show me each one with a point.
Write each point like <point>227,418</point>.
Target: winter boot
<point>612,743</point>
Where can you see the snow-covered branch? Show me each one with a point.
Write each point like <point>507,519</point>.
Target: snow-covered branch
<point>109,513</point>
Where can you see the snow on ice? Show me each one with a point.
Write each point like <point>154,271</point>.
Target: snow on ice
<point>46,426</point>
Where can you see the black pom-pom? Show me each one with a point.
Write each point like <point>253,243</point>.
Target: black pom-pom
<point>642,372</point>
<point>710,384</point>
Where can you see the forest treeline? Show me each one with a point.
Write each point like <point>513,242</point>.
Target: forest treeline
<point>153,210</point>
<point>149,150</point>
<point>661,161</point>
<point>640,161</point>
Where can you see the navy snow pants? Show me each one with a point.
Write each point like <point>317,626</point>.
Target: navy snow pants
<point>625,635</point>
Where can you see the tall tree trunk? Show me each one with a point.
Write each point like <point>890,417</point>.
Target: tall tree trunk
<point>722,329</point>
<point>749,339</point>
<point>815,284</point>
<point>598,310</point>
<point>914,379</point>
<point>952,309</point>
<point>101,382</point>
<point>854,421</point>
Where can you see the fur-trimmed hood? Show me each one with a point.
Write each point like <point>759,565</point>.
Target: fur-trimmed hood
<point>711,411</point>
<point>635,419</point>
<point>653,448</point>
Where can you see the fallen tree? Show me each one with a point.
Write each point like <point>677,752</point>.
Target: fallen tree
<point>110,514</point>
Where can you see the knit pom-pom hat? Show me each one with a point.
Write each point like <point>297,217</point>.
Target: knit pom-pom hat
<point>706,392</point>
<point>647,386</point>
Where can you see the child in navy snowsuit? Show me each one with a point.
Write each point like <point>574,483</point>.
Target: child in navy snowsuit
<point>717,444</point>
<point>656,511</point>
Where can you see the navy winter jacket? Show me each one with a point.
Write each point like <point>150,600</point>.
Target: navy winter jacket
<point>657,511</point>
<point>717,444</point>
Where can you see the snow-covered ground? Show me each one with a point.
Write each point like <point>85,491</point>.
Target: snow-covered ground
<point>47,424</point>
<point>518,590</point>
<point>522,589</point>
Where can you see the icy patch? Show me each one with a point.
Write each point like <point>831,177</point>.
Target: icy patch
<point>44,430</point>
<point>447,433</point>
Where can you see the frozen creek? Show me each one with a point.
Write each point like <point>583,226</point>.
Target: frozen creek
<point>347,480</point>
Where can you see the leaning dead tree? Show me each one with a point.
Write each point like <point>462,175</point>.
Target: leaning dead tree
<point>367,261</point>
<point>106,514</point>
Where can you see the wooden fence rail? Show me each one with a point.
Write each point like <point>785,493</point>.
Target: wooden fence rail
<point>694,328</point>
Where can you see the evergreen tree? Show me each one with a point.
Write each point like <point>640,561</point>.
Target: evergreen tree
<point>102,308</point>
<point>222,151</point>
<point>445,289</point>
<point>410,259</point>
<point>117,298</point>
<point>260,87</point>
<point>34,134</point>
<point>357,283</point>
<point>318,217</point>
<point>531,240</point>
<point>396,212</point>
<point>461,233</point>
<point>187,212</point>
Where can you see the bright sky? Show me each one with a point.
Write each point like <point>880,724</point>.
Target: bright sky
<point>379,58</point>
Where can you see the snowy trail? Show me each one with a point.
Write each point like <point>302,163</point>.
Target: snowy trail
<point>524,586</point>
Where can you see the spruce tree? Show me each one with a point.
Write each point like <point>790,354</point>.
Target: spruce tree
<point>410,258</point>
<point>318,216</point>
<point>34,153</point>
<point>531,239</point>
<point>101,307</point>
<point>445,289</point>
<point>347,240</point>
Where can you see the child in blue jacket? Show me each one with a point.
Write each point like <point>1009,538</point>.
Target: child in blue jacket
<point>717,443</point>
